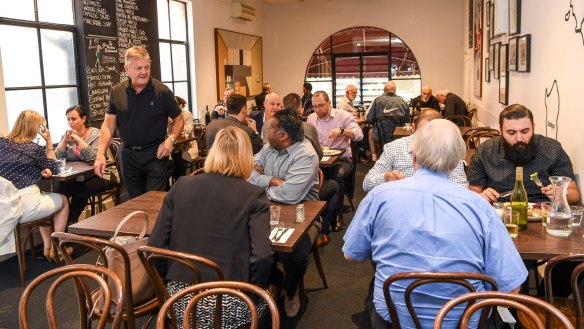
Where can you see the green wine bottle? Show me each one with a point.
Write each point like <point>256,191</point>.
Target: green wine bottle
<point>519,198</point>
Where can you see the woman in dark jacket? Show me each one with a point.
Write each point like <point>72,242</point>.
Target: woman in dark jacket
<point>220,216</point>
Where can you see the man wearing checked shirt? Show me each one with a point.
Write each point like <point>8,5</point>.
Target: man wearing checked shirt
<point>396,161</point>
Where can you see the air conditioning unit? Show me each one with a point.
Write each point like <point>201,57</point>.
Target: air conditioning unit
<point>243,11</point>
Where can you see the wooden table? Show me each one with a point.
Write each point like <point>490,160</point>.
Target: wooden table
<point>534,243</point>
<point>104,224</point>
<point>80,168</point>
<point>330,159</point>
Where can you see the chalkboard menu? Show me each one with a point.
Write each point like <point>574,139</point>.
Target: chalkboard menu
<point>108,28</point>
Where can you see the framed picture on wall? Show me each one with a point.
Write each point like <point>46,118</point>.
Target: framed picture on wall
<point>514,17</point>
<point>470,24</point>
<point>524,53</point>
<point>487,71</point>
<point>488,11</point>
<point>491,19</point>
<point>496,46</point>
<point>491,57</point>
<point>503,75</point>
<point>478,47</point>
<point>512,54</point>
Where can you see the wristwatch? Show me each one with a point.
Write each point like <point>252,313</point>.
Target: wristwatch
<point>342,130</point>
<point>172,139</point>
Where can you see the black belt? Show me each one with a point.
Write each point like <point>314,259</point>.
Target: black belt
<point>141,148</point>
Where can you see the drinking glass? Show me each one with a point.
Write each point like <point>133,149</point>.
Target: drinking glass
<point>545,208</point>
<point>511,221</point>
<point>62,164</point>
<point>275,215</point>
<point>499,209</point>
<point>576,215</point>
<point>407,126</point>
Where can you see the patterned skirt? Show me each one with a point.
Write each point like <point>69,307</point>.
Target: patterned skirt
<point>235,312</point>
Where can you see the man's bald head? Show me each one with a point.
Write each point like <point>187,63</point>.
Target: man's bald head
<point>389,87</point>
<point>425,117</point>
<point>426,93</point>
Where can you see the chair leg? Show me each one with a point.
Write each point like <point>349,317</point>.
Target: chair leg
<point>92,204</point>
<point>20,255</point>
<point>316,256</point>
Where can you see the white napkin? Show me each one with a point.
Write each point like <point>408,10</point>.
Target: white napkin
<point>68,172</point>
<point>277,231</point>
<point>325,158</point>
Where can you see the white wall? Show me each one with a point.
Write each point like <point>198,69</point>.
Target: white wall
<point>557,53</point>
<point>208,15</point>
<point>431,28</point>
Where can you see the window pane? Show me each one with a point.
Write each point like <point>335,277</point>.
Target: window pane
<point>408,88</point>
<point>58,57</point>
<point>179,62</point>
<point>56,11</point>
<point>20,100</point>
<point>321,84</point>
<point>375,66</point>
<point>20,45</point>
<point>21,9</point>
<point>59,100</point>
<point>181,89</point>
<point>165,62</point>
<point>163,25</point>
<point>348,41</point>
<point>324,48</point>
<point>373,87</point>
<point>178,23</point>
<point>376,40</point>
<point>319,67</point>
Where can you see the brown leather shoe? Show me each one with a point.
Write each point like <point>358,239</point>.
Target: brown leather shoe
<point>321,241</point>
<point>292,304</point>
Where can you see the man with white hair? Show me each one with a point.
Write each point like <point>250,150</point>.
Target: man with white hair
<point>425,100</point>
<point>428,223</point>
<point>391,104</point>
<point>452,104</point>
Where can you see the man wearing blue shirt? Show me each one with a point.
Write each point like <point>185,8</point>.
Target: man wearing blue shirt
<point>428,223</point>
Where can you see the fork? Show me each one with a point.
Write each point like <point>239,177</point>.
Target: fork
<point>537,181</point>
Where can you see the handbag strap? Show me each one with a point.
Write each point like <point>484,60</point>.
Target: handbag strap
<point>130,215</point>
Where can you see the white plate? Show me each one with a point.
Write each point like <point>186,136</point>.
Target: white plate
<point>331,152</point>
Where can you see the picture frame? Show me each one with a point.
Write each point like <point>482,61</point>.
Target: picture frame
<point>238,61</point>
<point>478,47</point>
<point>471,40</point>
<point>503,75</point>
<point>487,70</point>
<point>524,53</point>
<point>496,71</point>
<point>488,11</point>
<point>501,17</point>
<point>491,57</point>
<point>491,19</point>
<point>512,54</point>
<point>514,17</point>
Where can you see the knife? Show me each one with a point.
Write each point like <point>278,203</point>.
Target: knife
<point>505,194</point>
<point>278,237</point>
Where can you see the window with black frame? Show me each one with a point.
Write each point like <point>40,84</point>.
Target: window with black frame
<point>366,57</point>
<point>174,47</point>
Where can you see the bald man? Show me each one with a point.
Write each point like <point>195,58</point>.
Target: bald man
<point>396,161</point>
<point>391,104</point>
<point>272,103</point>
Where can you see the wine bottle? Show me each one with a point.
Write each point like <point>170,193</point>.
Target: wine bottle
<point>207,115</point>
<point>519,198</point>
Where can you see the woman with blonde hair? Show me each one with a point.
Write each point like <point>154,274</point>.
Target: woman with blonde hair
<point>220,216</point>
<point>24,162</point>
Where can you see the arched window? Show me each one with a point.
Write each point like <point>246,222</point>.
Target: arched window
<point>366,57</point>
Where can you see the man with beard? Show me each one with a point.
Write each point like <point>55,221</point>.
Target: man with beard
<point>492,167</point>
<point>425,100</point>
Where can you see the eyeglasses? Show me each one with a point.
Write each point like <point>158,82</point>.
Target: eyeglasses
<point>316,107</point>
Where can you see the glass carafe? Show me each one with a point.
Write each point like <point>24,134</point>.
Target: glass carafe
<point>559,218</point>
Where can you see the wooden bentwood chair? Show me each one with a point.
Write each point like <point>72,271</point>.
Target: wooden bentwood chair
<point>571,307</point>
<point>460,119</point>
<point>98,274</point>
<point>97,200</point>
<point>150,255</point>
<point>218,288</point>
<point>487,299</point>
<point>131,309</point>
<point>29,228</point>
<point>422,278</point>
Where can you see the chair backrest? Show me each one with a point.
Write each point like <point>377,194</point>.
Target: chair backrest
<point>198,171</point>
<point>460,119</point>
<point>97,274</point>
<point>422,278</point>
<point>472,113</point>
<point>488,299</point>
<point>219,288</point>
<point>576,273</point>
<point>386,124</point>
<point>474,137</point>
<point>199,132</point>
<point>114,147</point>
<point>150,255</point>
<point>63,239</point>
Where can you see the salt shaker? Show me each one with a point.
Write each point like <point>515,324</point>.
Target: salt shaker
<point>300,213</point>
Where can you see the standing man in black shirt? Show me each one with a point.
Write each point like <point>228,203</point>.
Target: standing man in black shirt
<point>139,108</point>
